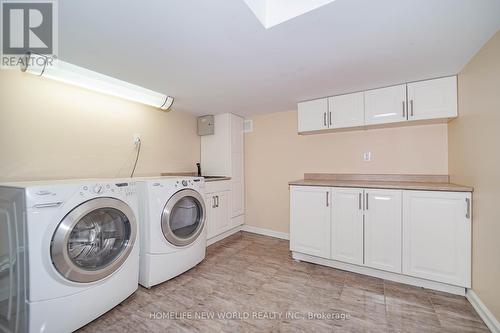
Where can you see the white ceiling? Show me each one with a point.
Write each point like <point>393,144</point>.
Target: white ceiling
<point>214,56</point>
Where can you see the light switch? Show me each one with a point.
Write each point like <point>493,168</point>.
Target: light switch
<point>367,156</point>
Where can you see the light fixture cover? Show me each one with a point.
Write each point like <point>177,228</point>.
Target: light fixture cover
<point>65,72</point>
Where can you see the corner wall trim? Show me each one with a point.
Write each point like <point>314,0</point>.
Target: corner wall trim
<point>485,314</point>
<point>265,232</point>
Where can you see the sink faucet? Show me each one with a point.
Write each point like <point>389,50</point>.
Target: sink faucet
<point>198,166</point>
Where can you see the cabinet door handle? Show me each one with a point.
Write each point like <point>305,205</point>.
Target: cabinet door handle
<point>327,199</point>
<point>330,116</point>
<point>366,201</point>
<point>217,198</point>
<point>324,119</point>
<point>404,111</point>
<point>467,214</point>
<point>213,203</point>
<point>359,201</point>
<point>411,107</point>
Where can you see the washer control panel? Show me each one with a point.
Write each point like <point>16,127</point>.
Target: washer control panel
<point>108,188</point>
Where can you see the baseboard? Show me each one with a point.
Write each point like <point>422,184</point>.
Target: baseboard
<point>381,274</point>
<point>224,235</point>
<point>266,232</point>
<point>485,314</point>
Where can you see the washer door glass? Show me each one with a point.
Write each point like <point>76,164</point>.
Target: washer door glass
<point>183,217</point>
<point>98,238</point>
<point>93,240</point>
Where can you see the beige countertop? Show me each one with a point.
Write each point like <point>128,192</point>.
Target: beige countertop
<point>431,183</point>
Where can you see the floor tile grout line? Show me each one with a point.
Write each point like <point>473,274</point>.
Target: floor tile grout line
<point>263,253</point>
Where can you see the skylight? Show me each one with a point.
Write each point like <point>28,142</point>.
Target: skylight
<point>273,12</point>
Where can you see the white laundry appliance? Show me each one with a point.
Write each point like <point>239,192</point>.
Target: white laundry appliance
<point>70,252</point>
<point>172,222</point>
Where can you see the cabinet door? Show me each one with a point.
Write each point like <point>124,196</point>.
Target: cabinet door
<point>237,185</point>
<point>437,236</point>
<point>217,213</point>
<point>209,215</point>
<point>222,217</point>
<point>347,110</point>
<point>313,115</point>
<point>383,221</point>
<point>237,198</point>
<point>432,99</point>
<point>347,225</point>
<point>236,134</point>
<point>310,220</point>
<point>237,168</point>
<point>385,105</point>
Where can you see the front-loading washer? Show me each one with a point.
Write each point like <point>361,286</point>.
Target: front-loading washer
<point>73,251</point>
<point>172,218</point>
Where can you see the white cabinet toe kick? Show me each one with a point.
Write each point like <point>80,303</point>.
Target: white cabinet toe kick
<point>401,278</point>
<point>422,238</point>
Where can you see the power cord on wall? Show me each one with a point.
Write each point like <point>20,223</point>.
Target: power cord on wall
<point>138,145</point>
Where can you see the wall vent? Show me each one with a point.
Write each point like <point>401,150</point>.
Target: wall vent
<point>248,126</point>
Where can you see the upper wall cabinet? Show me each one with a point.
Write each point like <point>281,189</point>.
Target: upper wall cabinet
<point>329,113</point>
<point>431,100</point>
<point>313,115</point>
<point>386,105</point>
<point>347,110</point>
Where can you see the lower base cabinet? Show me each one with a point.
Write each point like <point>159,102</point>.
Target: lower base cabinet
<point>422,234</point>
<point>382,229</point>
<point>437,236</point>
<point>220,209</point>
<point>237,221</point>
<point>217,209</point>
<point>347,225</point>
<point>310,214</point>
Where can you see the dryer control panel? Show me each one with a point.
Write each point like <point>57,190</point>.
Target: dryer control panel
<point>189,183</point>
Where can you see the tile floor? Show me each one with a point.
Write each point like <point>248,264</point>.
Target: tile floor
<point>252,281</point>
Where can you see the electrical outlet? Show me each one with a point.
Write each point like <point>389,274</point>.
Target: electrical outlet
<point>367,156</point>
<point>137,139</point>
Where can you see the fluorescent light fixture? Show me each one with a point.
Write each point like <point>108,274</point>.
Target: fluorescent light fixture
<point>273,12</point>
<point>65,72</point>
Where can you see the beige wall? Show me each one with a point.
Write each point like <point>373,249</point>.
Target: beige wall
<point>53,130</point>
<point>275,154</point>
<point>474,141</point>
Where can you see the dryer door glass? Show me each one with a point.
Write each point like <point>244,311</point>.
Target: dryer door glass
<point>183,217</point>
<point>93,240</point>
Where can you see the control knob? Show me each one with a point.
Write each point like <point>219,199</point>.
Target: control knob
<point>98,189</point>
